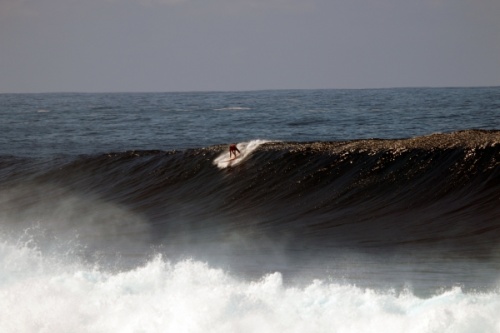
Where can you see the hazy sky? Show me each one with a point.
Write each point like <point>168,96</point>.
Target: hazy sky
<point>196,45</point>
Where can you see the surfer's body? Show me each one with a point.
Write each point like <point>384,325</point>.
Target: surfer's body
<point>233,150</point>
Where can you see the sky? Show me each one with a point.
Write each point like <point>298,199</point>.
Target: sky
<point>222,45</point>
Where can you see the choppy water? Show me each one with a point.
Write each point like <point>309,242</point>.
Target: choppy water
<point>120,212</point>
<point>47,124</point>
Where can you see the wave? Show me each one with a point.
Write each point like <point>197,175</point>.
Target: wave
<point>224,160</point>
<point>41,293</point>
<point>234,108</point>
<point>431,192</point>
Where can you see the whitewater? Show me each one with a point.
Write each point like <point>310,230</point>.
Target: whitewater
<point>44,294</point>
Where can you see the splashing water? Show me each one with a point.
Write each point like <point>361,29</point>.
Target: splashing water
<point>246,148</point>
<point>40,294</point>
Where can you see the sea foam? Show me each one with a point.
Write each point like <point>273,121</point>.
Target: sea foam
<point>246,148</point>
<point>41,293</point>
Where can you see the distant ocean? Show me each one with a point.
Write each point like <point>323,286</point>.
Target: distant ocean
<point>347,211</point>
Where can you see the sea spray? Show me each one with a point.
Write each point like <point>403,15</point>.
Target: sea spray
<point>43,294</point>
<point>246,148</point>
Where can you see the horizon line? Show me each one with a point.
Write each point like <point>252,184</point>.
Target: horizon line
<point>244,90</point>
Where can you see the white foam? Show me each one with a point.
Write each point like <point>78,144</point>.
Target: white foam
<point>233,108</point>
<point>42,294</point>
<point>246,148</point>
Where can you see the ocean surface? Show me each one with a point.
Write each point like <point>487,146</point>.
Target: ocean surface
<point>346,211</point>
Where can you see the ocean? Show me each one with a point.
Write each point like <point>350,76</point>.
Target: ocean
<point>373,210</point>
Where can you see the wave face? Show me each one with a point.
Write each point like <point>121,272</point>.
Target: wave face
<point>432,192</point>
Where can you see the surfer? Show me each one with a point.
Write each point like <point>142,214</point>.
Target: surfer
<point>232,150</point>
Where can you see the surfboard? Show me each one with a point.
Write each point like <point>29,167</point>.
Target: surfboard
<point>232,159</point>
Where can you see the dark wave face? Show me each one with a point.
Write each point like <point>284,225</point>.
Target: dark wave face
<point>437,193</point>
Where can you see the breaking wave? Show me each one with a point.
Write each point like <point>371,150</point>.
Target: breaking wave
<point>43,294</point>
